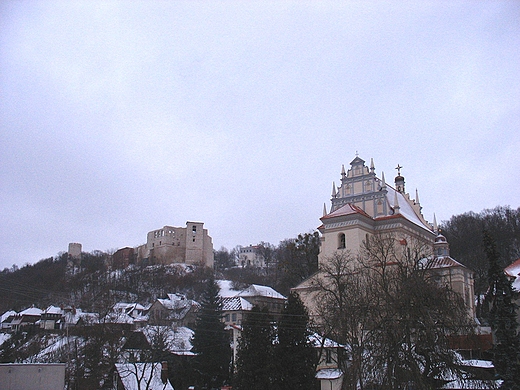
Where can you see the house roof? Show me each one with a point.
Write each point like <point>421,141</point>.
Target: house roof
<point>441,262</point>
<point>177,307</point>
<point>74,316</point>
<point>7,315</point>
<point>177,340</point>
<point>31,311</point>
<point>256,290</point>
<point>513,270</point>
<point>53,310</point>
<point>235,303</point>
<point>329,373</point>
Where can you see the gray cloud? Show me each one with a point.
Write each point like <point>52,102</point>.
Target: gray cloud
<point>118,118</point>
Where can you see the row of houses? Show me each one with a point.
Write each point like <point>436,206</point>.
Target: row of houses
<point>51,318</point>
<point>173,310</point>
<point>173,318</point>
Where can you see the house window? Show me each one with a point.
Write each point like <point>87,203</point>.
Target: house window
<point>234,317</point>
<point>226,317</point>
<point>341,241</point>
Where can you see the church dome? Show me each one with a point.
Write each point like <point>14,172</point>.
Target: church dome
<point>440,238</point>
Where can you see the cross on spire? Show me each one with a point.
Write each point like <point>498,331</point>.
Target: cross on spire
<point>398,167</point>
<point>357,154</point>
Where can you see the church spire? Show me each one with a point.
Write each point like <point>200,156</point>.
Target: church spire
<point>396,204</point>
<point>343,170</point>
<point>435,227</point>
<point>383,182</point>
<point>324,209</point>
<point>334,190</point>
<point>417,196</point>
<point>399,180</point>
<point>372,167</point>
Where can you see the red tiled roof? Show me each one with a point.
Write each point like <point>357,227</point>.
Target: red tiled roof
<point>347,209</point>
<point>513,269</point>
<point>443,262</point>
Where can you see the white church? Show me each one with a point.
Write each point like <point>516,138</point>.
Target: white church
<point>364,205</point>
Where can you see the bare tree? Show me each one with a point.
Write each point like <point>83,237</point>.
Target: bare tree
<point>343,310</point>
<point>392,313</point>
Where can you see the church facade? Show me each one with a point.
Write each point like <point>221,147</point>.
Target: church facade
<point>364,205</point>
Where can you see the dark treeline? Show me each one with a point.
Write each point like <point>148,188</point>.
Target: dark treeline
<point>287,264</point>
<point>465,234</point>
<point>95,286</point>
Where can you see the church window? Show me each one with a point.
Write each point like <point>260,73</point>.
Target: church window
<point>341,241</point>
<point>194,229</point>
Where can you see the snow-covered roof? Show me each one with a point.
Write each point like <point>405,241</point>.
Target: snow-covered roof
<point>472,384</point>
<point>176,303</point>
<point>72,317</point>
<point>118,318</point>
<point>321,341</point>
<point>347,209</point>
<point>329,373</point>
<point>440,262</point>
<point>177,340</point>
<point>31,311</point>
<point>405,209</point>
<point>178,307</point>
<point>256,290</point>
<point>7,314</point>
<point>129,372</point>
<point>513,270</point>
<point>53,310</point>
<point>477,363</point>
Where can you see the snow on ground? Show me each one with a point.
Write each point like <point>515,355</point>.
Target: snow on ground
<point>226,289</point>
<point>4,337</point>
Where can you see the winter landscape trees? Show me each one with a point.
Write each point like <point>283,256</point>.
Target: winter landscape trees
<point>276,354</point>
<point>502,318</point>
<point>386,308</point>
<point>392,314</point>
<point>210,340</point>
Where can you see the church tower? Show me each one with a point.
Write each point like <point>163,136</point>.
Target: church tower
<point>360,187</point>
<point>364,204</point>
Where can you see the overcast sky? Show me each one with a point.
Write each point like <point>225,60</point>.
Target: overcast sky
<point>118,118</point>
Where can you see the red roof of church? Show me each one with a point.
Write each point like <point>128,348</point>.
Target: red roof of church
<point>347,209</point>
<point>444,262</point>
